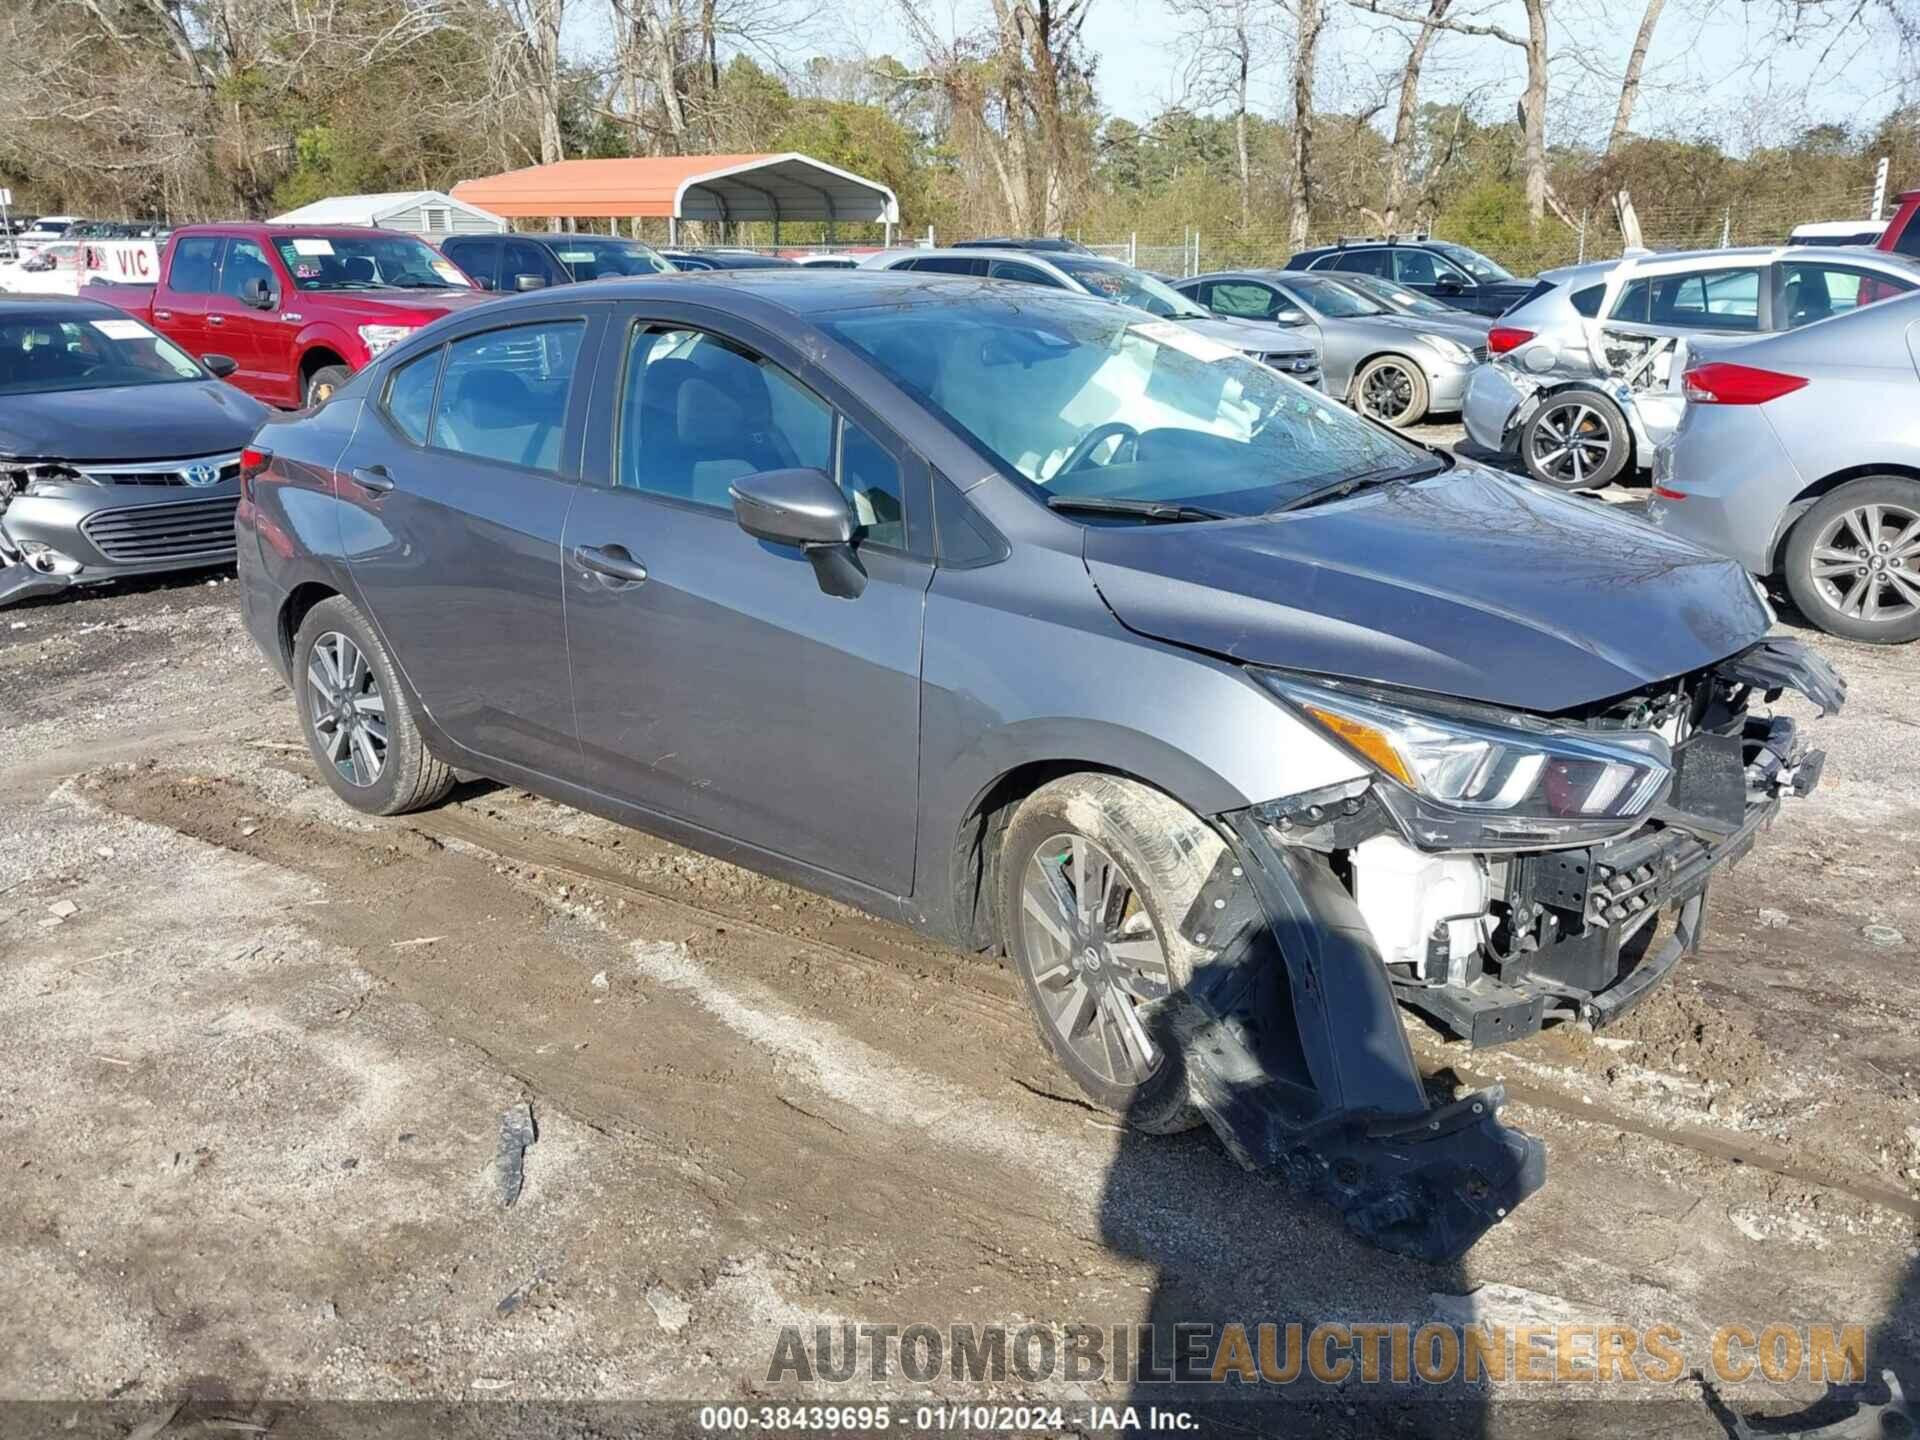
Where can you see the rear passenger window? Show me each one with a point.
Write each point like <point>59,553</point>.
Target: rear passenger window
<point>192,270</point>
<point>505,394</point>
<point>1365,262</point>
<point>410,395</point>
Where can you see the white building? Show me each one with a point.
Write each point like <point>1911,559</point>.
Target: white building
<point>418,212</point>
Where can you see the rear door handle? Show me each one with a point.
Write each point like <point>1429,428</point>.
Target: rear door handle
<point>216,319</point>
<point>612,561</point>
<point>374,478</point>
<point>163,314</point>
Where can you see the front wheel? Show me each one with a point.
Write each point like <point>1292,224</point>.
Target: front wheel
<point>1095,875</point>
<point>1853,561</point>
<point>1391,389</point>
<point>324,381</point>
<point>1576,440</point>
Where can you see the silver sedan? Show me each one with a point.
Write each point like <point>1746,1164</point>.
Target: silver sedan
<point>1380,363</point>
<point>1797,456</point>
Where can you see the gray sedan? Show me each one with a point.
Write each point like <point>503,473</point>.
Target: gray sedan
<point>1797,456</point>
<point>1368,356</point>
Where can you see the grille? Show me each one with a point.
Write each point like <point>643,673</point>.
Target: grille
<point>1291,363</point>
<point>191,529</point>
<point>161,472</point>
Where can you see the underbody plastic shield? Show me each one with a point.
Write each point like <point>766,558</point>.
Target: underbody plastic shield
<point>1295,1054</point>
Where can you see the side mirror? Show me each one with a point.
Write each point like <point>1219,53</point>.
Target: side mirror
<point>529,282</point>
<point>220,366</point>
<point>804,508</point>
<point>1290,315</point>
<point>257,293</point>
<point>1448,285</point>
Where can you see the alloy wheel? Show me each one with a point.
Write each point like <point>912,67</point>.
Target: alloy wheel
<point>348,710</point>
<point>1571,443</point>
<point>1387,393</point>
<point>1866,563</point>
<point>1094,955</point>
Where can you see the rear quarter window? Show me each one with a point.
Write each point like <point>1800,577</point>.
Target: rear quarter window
<point>1585,302</point>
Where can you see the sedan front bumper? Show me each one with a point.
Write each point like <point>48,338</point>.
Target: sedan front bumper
<point>74,534</point>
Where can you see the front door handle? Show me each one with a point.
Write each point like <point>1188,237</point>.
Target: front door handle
<point>216,319</point>
<point>612,561</point>
<point>374,478</point>
<point>163,314</point>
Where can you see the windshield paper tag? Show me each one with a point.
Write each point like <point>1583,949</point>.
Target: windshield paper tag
<point>1188,342</point>
<point>449,272</point>
<point>122,329</point>
<point>312,246</point>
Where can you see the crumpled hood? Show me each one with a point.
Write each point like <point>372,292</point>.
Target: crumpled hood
<point>129,422</point>
<point>1471,584</point>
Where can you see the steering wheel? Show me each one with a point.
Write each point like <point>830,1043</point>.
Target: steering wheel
<point>1092,441</point>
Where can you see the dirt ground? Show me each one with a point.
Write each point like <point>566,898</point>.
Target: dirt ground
<point>258,1051</point>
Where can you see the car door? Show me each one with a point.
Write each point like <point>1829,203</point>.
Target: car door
<point>258,340</point>
<point>714,680</point>
<point>180,306</point>
<point>526,265</point>
<point>462,475</point>
<point>1430,274</point>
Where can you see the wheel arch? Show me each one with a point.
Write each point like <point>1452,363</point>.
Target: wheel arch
<point>294,610</point>
<point>1816,491</point>
<point>1385,353</point>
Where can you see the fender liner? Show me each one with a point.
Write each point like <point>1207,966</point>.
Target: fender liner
<point>1295,1054</point>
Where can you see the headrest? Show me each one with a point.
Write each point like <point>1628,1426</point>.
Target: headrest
<point>707,418</point>
<point>492,399</point>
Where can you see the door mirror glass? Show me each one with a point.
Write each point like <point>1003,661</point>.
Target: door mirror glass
<point>220,366</point>
<point>792,507</point>
<point>529,282</point>
<point>257,293</point>
<point>1290,315</point>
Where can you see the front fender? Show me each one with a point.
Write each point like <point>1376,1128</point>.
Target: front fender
<point>333,336</point>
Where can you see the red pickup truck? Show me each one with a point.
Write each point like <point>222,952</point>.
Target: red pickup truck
<point>1902,235</point>
<point>298,308</point>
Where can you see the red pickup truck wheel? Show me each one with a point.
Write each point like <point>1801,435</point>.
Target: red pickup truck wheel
<point>324,381</point>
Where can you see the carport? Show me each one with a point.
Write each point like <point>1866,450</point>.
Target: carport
<point>722,188</point>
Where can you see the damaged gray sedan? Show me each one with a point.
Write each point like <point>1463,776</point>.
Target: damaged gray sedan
<point>119,452</point>
<point>1234,721</point>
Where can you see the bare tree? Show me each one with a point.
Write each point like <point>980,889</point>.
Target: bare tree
<point>1226,41</point>
<point>1310,20</point>
<point>1630,83</point>
<point>1406,117</point>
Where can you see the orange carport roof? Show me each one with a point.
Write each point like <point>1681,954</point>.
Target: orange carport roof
<point>686,187</point>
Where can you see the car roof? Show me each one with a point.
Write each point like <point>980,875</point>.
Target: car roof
<point>568,235</point>
<point>1682,260</point>
<point>63,306</point>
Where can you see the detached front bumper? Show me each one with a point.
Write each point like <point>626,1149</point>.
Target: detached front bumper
<point>62,535</point>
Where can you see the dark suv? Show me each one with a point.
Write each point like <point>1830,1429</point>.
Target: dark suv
<point>533,262</point>
<point>1460,276</point>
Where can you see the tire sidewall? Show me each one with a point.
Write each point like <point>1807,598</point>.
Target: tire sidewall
<point>1798,560</point>
<point>1416,409</point>
<point>1619,439</point>
<point>338,615</point>
<point>1156,1102</point>
<point>334,375</point>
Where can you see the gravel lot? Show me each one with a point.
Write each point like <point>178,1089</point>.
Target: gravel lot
<point>260,1049</point>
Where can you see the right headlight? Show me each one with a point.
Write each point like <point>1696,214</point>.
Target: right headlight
<point>1457,783</point>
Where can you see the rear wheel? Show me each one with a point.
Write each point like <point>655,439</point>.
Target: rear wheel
<point>1391,389</point>
<point>356,718</point>
<point>1095,875</point>
<point>1576,440</point>
<point>1853,561</point>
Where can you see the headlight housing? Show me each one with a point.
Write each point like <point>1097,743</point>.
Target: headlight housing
<point>381,337</point>
<point>1463,783</point>
<point>1449,349</point>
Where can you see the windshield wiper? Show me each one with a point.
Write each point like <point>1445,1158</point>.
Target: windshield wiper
<point>1162,510</point>
<point>1351,483</point>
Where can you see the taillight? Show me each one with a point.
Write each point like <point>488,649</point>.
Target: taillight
<point>253,460</point>
<point>1719,382</point>
<point>1502,338</point>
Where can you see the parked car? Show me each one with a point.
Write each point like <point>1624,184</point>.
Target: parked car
<point>1799,456</point>
<point>297,308</point>
<point>1292,352</point>
<point>52,269</point>
<point>46,230</point>
<point>1838,232</point>
<point>1422,311</point>
<point>119,452</point>
<point>724,260</point>
<point>1902,235</point>
<point>1584,379</point>
<point>912,592</point>
<point>533,262</point>
<point>1045,244</point>
<point>1452,273</point>
<point>1370,357</point>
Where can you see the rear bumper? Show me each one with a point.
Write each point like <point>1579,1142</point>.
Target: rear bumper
<point>1490,406</point>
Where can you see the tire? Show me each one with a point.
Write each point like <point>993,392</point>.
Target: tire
<point>377,776</point>
<point>1160,854</point>
<point>1873,596</point>
<point>1393,379</point>
<point>324,381</point>
<point>1604,447</point>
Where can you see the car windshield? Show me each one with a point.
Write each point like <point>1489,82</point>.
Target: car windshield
<point>41,353</point>
<point>1086,401</point>
<point>366,262</point>
<point>1114,281</point>
<point>1332,299</point>
<point>594,257</point>
<point>1406,302</point>
<point>1474,263</point>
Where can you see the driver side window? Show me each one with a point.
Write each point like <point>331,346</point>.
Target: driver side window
<point>245,261</point>
<point>1242,300</point>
